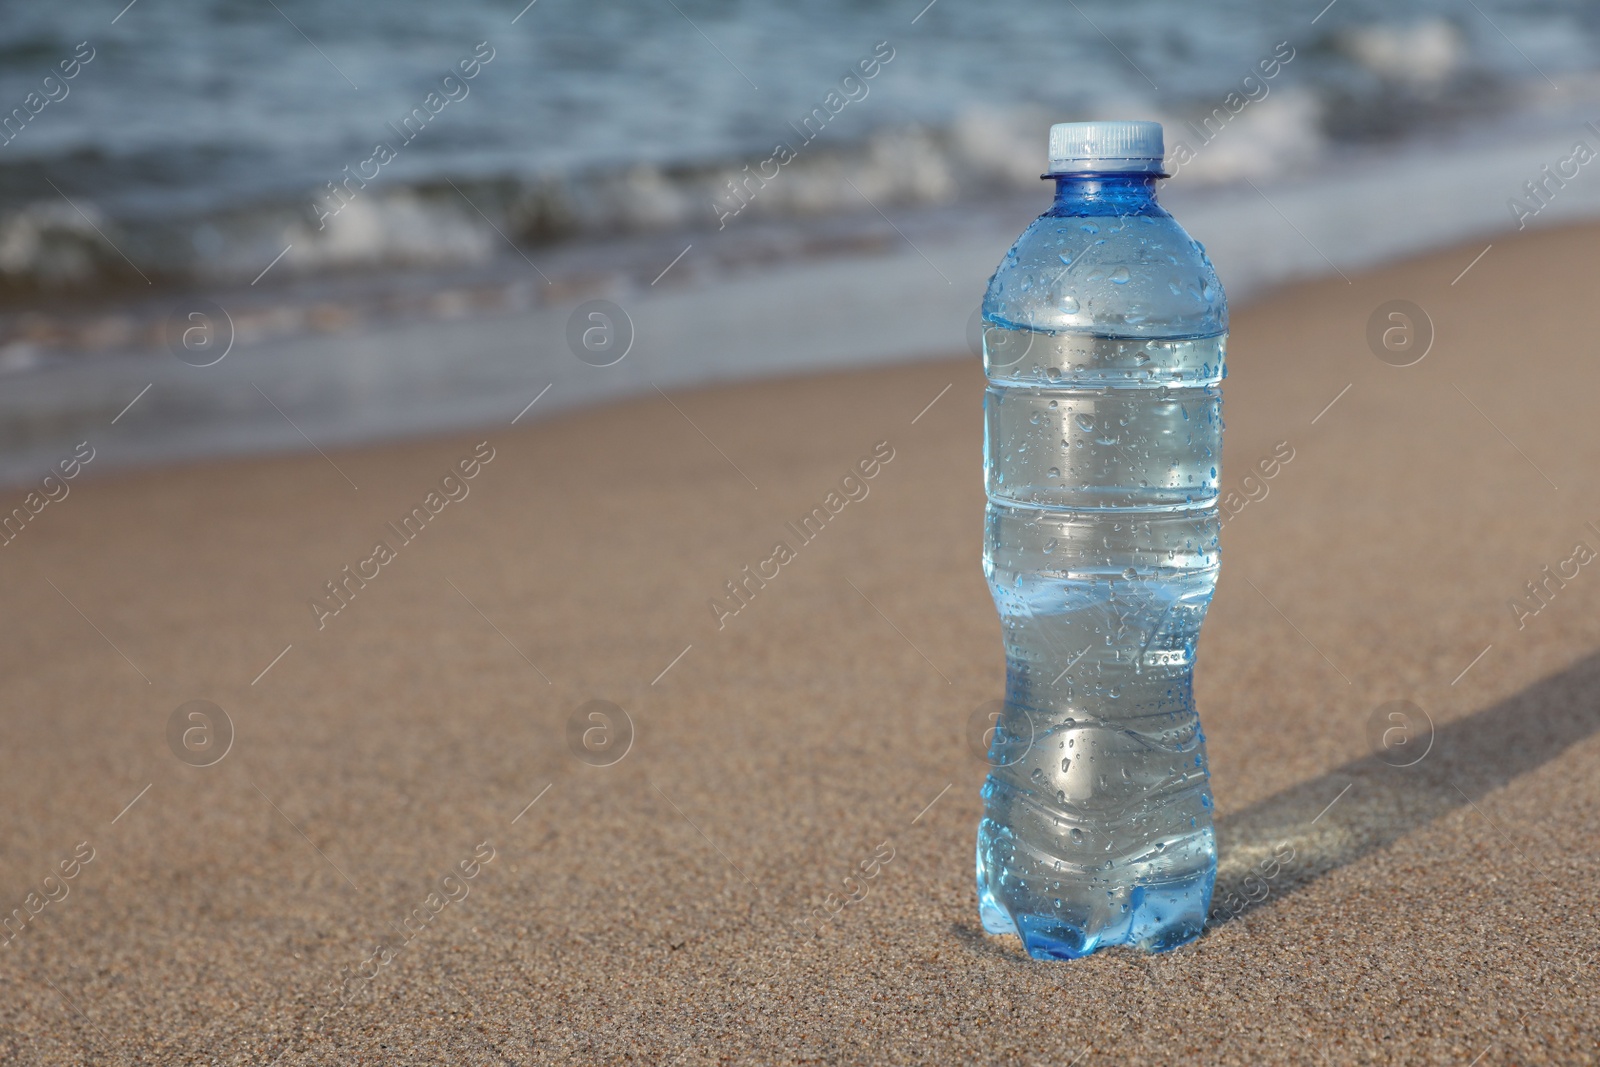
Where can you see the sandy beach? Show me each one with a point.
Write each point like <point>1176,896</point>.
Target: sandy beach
<point>405,854</point>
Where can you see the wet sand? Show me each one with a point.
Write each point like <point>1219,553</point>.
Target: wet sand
<point>401,857</point>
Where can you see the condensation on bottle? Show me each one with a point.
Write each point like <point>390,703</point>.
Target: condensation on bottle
<point>1104,336</point>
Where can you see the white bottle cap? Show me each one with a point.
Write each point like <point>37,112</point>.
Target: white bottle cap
<point>1078,147</point>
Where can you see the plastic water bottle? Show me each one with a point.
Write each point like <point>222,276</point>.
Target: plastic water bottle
<point>1104,333</point>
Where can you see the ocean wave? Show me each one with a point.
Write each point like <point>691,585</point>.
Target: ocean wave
<point>56,247</point>
<point>1343,87</point>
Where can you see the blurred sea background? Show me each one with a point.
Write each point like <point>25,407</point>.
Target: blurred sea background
<point>591,157</point>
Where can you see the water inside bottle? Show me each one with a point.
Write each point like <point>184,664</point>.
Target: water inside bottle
<point>1101,553</point>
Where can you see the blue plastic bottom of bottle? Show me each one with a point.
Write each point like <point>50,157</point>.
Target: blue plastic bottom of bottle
<point>1160,916</point>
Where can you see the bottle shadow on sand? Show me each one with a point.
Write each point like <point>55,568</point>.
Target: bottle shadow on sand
<point>1289,840</point>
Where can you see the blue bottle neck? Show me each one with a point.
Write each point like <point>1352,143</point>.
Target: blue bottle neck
<point>1080,195</point>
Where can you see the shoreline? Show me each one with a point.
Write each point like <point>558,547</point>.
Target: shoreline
<point>350,364</point>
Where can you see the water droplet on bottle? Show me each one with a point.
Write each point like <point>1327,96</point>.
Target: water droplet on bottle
<point>1069,304</point>
<point>1050,545</point>
<point>1054,472</point>
<point>1120,277</point>
<point>1077,836</point>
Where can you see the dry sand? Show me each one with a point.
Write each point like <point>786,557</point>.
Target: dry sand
<point>652,911</point>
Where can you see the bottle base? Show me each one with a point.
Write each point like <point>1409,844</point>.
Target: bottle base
<point>1153,917</point>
